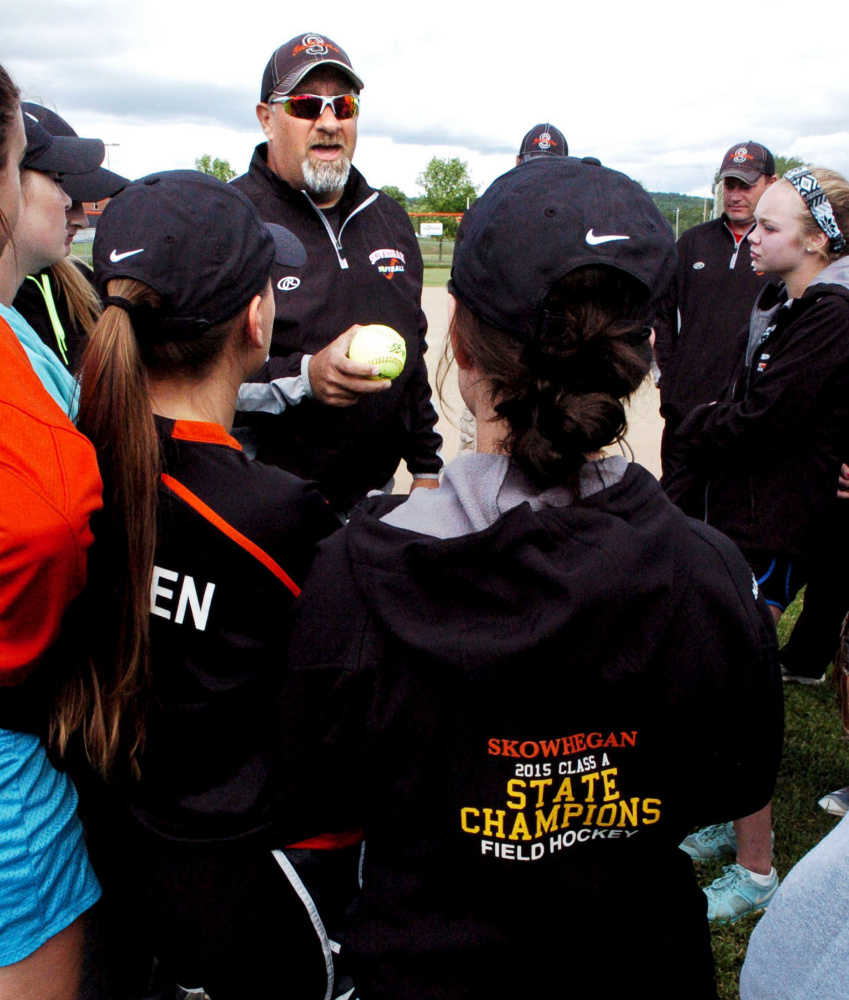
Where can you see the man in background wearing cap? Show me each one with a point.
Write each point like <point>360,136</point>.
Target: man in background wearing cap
<point>542,140</point>
<point>347,430</point>
<point>700,326</point>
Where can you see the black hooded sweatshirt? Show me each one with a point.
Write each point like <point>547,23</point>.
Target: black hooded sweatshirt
<point>762,465</point>
<point>526,720</point>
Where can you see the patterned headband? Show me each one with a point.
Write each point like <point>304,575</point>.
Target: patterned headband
<point>819,206</point>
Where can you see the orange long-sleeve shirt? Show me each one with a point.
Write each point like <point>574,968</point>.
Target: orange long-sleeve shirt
<point>49,488</point>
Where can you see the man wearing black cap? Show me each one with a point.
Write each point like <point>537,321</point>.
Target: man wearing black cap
<point>700,327</point>
<point>544,139</point>
<point>341,426</point>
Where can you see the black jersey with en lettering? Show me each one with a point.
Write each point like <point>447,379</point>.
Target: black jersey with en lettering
<point>235,539</point>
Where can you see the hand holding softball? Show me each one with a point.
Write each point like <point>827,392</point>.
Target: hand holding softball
<point>337,380</point>
<point>381,347</point>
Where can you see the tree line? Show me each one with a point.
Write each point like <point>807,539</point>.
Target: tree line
<point>448,187</point>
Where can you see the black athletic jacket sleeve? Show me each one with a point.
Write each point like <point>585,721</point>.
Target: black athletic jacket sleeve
<point>666,325</point>
<point>786,379</point>
<point>762,466</point>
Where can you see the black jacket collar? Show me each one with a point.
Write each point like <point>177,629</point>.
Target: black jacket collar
<point>355,193</point>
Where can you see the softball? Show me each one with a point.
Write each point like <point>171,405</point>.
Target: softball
<point>379,346</point>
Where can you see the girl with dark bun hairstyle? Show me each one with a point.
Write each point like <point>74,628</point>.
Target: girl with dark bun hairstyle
<point>200,553</point>
<point>49,487</point>
<point>528,677</point>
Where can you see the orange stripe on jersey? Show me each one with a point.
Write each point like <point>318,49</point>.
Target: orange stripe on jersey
<point>331,841</point>
<point>228,529</point>
<point>206,433</point>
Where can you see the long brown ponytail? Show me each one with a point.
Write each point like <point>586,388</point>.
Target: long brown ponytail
<point>107,699</point>
<point>109,704</point>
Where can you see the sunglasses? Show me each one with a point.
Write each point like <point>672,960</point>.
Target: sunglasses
<point>311,106</point>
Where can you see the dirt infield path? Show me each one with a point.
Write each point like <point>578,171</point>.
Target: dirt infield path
<point>644,423</point>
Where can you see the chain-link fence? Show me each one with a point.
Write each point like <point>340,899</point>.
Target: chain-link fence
<point>81,247</point>
<point>437,251</point>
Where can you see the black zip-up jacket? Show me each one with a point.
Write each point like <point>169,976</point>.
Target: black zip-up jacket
<point>714,290</point>
<point>370,273</point>
<point>526,720</point>
<point>763,465</point>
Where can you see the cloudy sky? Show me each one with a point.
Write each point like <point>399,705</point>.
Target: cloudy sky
<point>658,89</point>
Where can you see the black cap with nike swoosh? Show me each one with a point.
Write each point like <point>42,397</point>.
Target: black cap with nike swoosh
<point>57,153</point>
<point>546,218</point>
<point>93,184</point>
<point>196,241</point>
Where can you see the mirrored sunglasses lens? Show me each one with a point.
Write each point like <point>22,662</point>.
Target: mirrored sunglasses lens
<point>309,106</point>
<point>346,106</point>
<point>303,106</point>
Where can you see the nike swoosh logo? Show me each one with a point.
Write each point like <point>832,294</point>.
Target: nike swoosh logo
<point>115,256</point>
<point>594,240</point>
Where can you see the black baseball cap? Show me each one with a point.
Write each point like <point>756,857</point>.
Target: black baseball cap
<point>291,62</point>
<point>544,140</point>
<point>196,241</point>
<point>61,154</point>
<point>747,161</point>
<point>94,185</point>
<point>541,221</point>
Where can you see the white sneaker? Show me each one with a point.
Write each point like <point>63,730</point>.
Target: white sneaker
<point>836,803</point>
<point>789,678</point>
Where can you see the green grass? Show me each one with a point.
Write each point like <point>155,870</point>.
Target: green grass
<point>83,251</point>
<point>815,761</point>
<point>436,277</point>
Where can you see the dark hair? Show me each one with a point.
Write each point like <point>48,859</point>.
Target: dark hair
<point>108,700</point>
<point>562,392</point>
<point>10,100</point>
